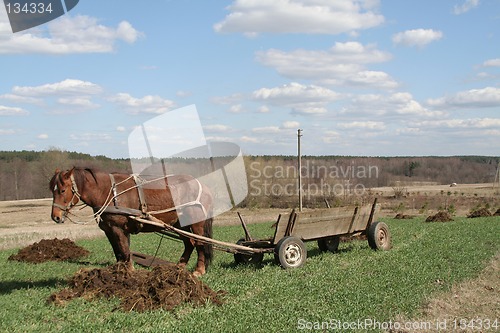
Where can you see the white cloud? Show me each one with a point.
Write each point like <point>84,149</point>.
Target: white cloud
<point>343,64</point>
<point>237,108</point>
<point>295,93</point>
<point>147,104</point>
<point>217,128</point>
<point>78,102</point>
<point>68,96</point>
<point>84,138</point>
<point>474,98</point>
<point>21,99</point>
<point>231,99</point>
<point>492,63</point>
<point>120,128</point>
<point>302,99</point>
<point>464,8</point>
<point>66,87</point>
<point>266,130</point>
<point>474,123</point>
<point>370,125</point>
<point>43,136</point>
<point>248,139</point>
<point>7,131</point>
<point>417,37</point>
<point>299,16</point>
<point>290,125</point>
<point>66,35</point>
<point>263,109</point>
<point>182,93</point>
<point>396,104</point>
<point>12,111</point>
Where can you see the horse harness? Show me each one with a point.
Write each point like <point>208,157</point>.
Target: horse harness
<point>70,204</point>
<point>143,212</point>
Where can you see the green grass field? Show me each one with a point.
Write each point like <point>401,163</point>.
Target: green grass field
<point>354,284</point>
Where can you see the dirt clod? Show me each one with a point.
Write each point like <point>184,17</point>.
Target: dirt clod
<point>440,217</point>
<point>50,250</point>
<point>497,213</point>
<point>165,286</point>
<point>400,216</point>
<point>481,212</point>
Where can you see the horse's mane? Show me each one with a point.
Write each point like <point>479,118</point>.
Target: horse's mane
<point>80,178</point>
<point>78,173</point>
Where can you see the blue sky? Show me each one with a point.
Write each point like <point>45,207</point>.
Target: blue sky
<point>360,77</point>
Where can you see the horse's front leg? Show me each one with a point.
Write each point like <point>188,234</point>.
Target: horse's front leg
<point>120,242</point>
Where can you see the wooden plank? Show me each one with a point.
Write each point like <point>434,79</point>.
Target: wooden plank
<point>322,223</point>
<point>363,217</point>
<point>245,229</point>
<point>282,226</point>
<point>146,260</point>
<point>329,222</point>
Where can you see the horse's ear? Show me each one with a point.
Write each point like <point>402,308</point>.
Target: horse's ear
<point>57,171</point>
<point>68,174</point>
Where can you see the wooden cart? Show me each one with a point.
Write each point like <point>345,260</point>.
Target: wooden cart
<point>325,226</point>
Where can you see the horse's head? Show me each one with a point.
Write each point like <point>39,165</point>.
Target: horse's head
<point>65,194</point>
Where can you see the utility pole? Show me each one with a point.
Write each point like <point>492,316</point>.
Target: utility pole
<point>497,177</point>
<point>299,134</point>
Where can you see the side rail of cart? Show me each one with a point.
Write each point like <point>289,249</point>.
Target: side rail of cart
<point>325,226</point>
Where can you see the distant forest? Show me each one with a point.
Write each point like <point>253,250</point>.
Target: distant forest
<point>26,174</point>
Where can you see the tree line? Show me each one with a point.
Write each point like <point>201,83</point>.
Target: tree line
<point>26,174</point>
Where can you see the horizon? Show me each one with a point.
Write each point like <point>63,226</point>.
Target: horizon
<point>249,155</point>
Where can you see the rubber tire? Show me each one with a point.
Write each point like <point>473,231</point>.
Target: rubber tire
<point>247,259</point>
<point>329,244</point>
<point>379,237</point>
<point>290,252</point>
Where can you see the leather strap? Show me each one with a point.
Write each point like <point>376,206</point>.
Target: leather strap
<point>142,197</point>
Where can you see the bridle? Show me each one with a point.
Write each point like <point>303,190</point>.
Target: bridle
<point>71,203</point>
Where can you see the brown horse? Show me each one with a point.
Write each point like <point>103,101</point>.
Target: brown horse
<point>114,197</point>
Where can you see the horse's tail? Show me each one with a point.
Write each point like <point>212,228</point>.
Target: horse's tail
<point>208,249</point>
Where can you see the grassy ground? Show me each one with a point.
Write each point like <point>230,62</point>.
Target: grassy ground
<point>354,284</point>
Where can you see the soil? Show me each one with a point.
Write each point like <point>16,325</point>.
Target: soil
<point>165,286</point>
<point>440,217</point>
<point>497,213</point>
<point>400,216</point>
<point>50,250</point>
<point>481,212</point>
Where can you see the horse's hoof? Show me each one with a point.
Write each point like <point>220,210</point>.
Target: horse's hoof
<point>197,274</point>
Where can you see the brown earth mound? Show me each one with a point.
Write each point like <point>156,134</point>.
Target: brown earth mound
<point>400,216</point>
<point>50,250</point>
<point>166,286</point>
<point>481,212</point>
<point>440,217</point>
<point>497,213</point>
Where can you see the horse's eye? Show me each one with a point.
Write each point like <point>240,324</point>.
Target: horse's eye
<point>63,190</point>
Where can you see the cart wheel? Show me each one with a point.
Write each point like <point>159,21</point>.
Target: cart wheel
<point>329,243</point>
<point>290,252</point>
<point>241,258</point>
<point>379,236</point>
